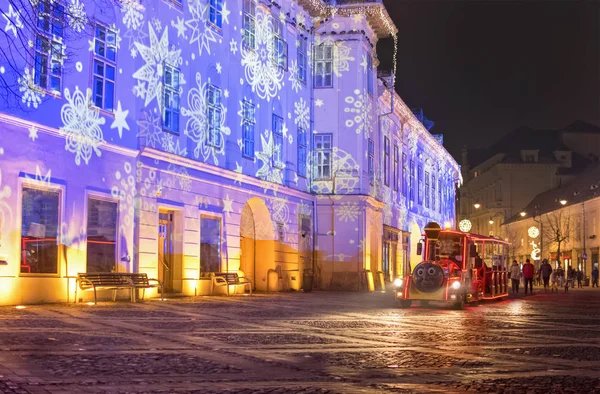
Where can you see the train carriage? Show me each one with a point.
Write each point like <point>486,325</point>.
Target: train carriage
<point>457,268</point>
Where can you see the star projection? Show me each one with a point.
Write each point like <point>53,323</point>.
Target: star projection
<point>201,34</point>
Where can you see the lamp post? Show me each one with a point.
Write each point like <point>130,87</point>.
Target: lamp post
<point>491,221</point>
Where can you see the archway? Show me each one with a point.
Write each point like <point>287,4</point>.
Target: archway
<point>257,243</point>
<point>415,237</point>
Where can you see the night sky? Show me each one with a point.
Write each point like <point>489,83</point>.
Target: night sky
<point>481,69</point>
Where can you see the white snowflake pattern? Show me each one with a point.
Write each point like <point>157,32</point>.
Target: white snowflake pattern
<point>196,127</point>
<point>76,17</point>
<point>202,33</point>
<point>233,46</point>
<point>302,113</point>
<point>12,20</point>
<point>180,176</point>
<point>125,191</point>
<point>293,78</point>
<point>343,166</point>
<point>31,96</point>
<point>341,54</point>
<point>155,56</point>
<point>81,125</point>
<point>360,108</point>
<point>261,73</point>
<point>270,171</point>
<point>150,129</point>
<point>348,212</point>
<point>133,14</point>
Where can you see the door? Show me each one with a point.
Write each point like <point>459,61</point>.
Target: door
<point>165,250</point>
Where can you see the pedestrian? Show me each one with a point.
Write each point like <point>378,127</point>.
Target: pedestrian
<point>579,277</point>
<point>560,274</point>
<point>515,276</point>
<point>545,272</point>
<point>595,277</point>
<point>554,281</point>
<point>569,281</point>
<point>528,272</point>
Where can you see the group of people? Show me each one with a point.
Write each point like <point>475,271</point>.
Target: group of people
<point>552,279</point>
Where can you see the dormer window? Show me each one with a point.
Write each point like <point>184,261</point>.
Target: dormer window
<point>529,156</point>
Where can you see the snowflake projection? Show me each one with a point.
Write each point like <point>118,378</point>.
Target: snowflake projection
<point>31,96</point>
<point>345,170</point>
<point>341,54</point>
<point>125,191</point>
<point>150,128</point>
<point>293,78</point>
<point>155,56</point>
<point>148,187</point>
<point>233,46</point>
<point>280,213</point>
<point>348,212</point>
<point>12,20</point>
<point>157,24</point>
<point>171,144</point>
<point>387,209</point>
<point>76,17</point>
<point>133,14</point>
<point>196,128</point>
<point>263,75</point>
<point>360,108</point>
<point>302,113</point>
<point>303,209</point>
<point>202,33</point>
<point>81,125</point>
<point>179,177</point>
<point>412,139</point>
<point>269,171</point>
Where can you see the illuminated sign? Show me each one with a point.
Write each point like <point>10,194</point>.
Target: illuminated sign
<point>465,225</point>
<point>533,232</point>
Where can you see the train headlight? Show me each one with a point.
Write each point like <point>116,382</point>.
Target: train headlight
<point>398,282</point>
<point>456,285</point>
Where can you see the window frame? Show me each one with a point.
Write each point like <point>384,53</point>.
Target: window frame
<point>249,24</point>
<point>24,182</point>
<point>433,192</point>
<point>106,62</point>
<point>396,167</point>
<point>427,191</point>
<point>174,91</point>
<point>326,63</point>
<point>248,128</point>
<point>214,139</point>
<point>302,54</point>
<point>326,142</point>
<point>219,218</point>
<point>386,161</point>
<point>420,184</point>
<point>371,160</point>
<point>277,157</point>
<point>107,198</point>
<point>213,9</point>
<point>280,46</point>
<point>49,35</point>
<point>302,153</point>
<point>370,87</point>
<point>412,181</point>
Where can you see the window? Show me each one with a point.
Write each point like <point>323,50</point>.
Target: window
<point>302,58</point>
<point>213,100</point>
<point>249,38</point>
<point>323,67</point>
<point>433,195</point>
<point>248,123</point>
<point>301,151</point>
<point>405,175</point>
<point>105,57</point>
<point>210,244</point>
<point>427,196</point>
<point>171,98</point>
<point>412,181</point>
<point>396,167</point>
<point>323,152</point>
<point>420,185</point>
<point>440,197</point>
<point>49,49</point>
<point>371,162</point>
<point>39,231</point>
<point>101,236</point>
<point>277,141</point>
<point>215,13</point>
<point>370,74</point>
<point>386,161</point>
<point>280,47</point>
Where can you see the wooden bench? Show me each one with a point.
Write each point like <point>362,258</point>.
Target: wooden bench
<point>114,281</point>
<point>232,279</point>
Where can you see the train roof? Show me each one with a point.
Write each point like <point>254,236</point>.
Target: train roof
<point>476,237</point>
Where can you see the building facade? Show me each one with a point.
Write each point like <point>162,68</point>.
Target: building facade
<point>180,139</point>
<point>560,225</point>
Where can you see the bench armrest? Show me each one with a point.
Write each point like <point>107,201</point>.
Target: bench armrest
<point>219,280</point>
<point>155,280</point>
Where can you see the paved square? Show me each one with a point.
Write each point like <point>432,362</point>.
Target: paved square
<point>319,342</point>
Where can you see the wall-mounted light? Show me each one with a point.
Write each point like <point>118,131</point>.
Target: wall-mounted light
<point>477,205</point>
<point>563,202</point>
<point>523,214</point>
<point>491,221</point>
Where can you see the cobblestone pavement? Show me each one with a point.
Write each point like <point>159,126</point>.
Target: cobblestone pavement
<point>319,343</point>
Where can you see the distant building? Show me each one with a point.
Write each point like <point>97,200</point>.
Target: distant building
<point>501,180</point>
<point>569,214</point>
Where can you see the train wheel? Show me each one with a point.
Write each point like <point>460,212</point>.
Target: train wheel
<point>405,303</point>
<point>424,302</point>
<point>459,304</point>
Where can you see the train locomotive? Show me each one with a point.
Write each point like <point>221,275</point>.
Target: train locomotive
<point>457,268</point>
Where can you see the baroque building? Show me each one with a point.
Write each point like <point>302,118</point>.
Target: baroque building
<point>181,139</point>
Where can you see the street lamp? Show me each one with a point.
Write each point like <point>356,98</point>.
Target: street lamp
<point>477,205</point>
<point>491,221</point>
<point>563,202</point>
<point>523,214</point>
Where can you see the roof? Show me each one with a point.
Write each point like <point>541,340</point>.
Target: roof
<point>583,188</point>
<point>580,126</point>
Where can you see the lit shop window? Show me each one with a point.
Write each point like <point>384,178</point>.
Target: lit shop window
<point>210,244</point>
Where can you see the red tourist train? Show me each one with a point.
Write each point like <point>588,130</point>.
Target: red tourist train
<point>457,268</point>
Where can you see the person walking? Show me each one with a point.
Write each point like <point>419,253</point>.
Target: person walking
<point>595,277</point>
<point>554,281</point>
<point>528,272</point>
<point>515,276</point>
<point>560,274</point>
<point>569,279</point>
<point>545,272</point>
<point>579,277</point>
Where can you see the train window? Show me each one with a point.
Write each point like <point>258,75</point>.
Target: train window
<point>451,247</point>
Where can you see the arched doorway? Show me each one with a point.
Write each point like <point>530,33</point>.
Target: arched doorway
<point>257,253</point>
<point>415,237</point>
